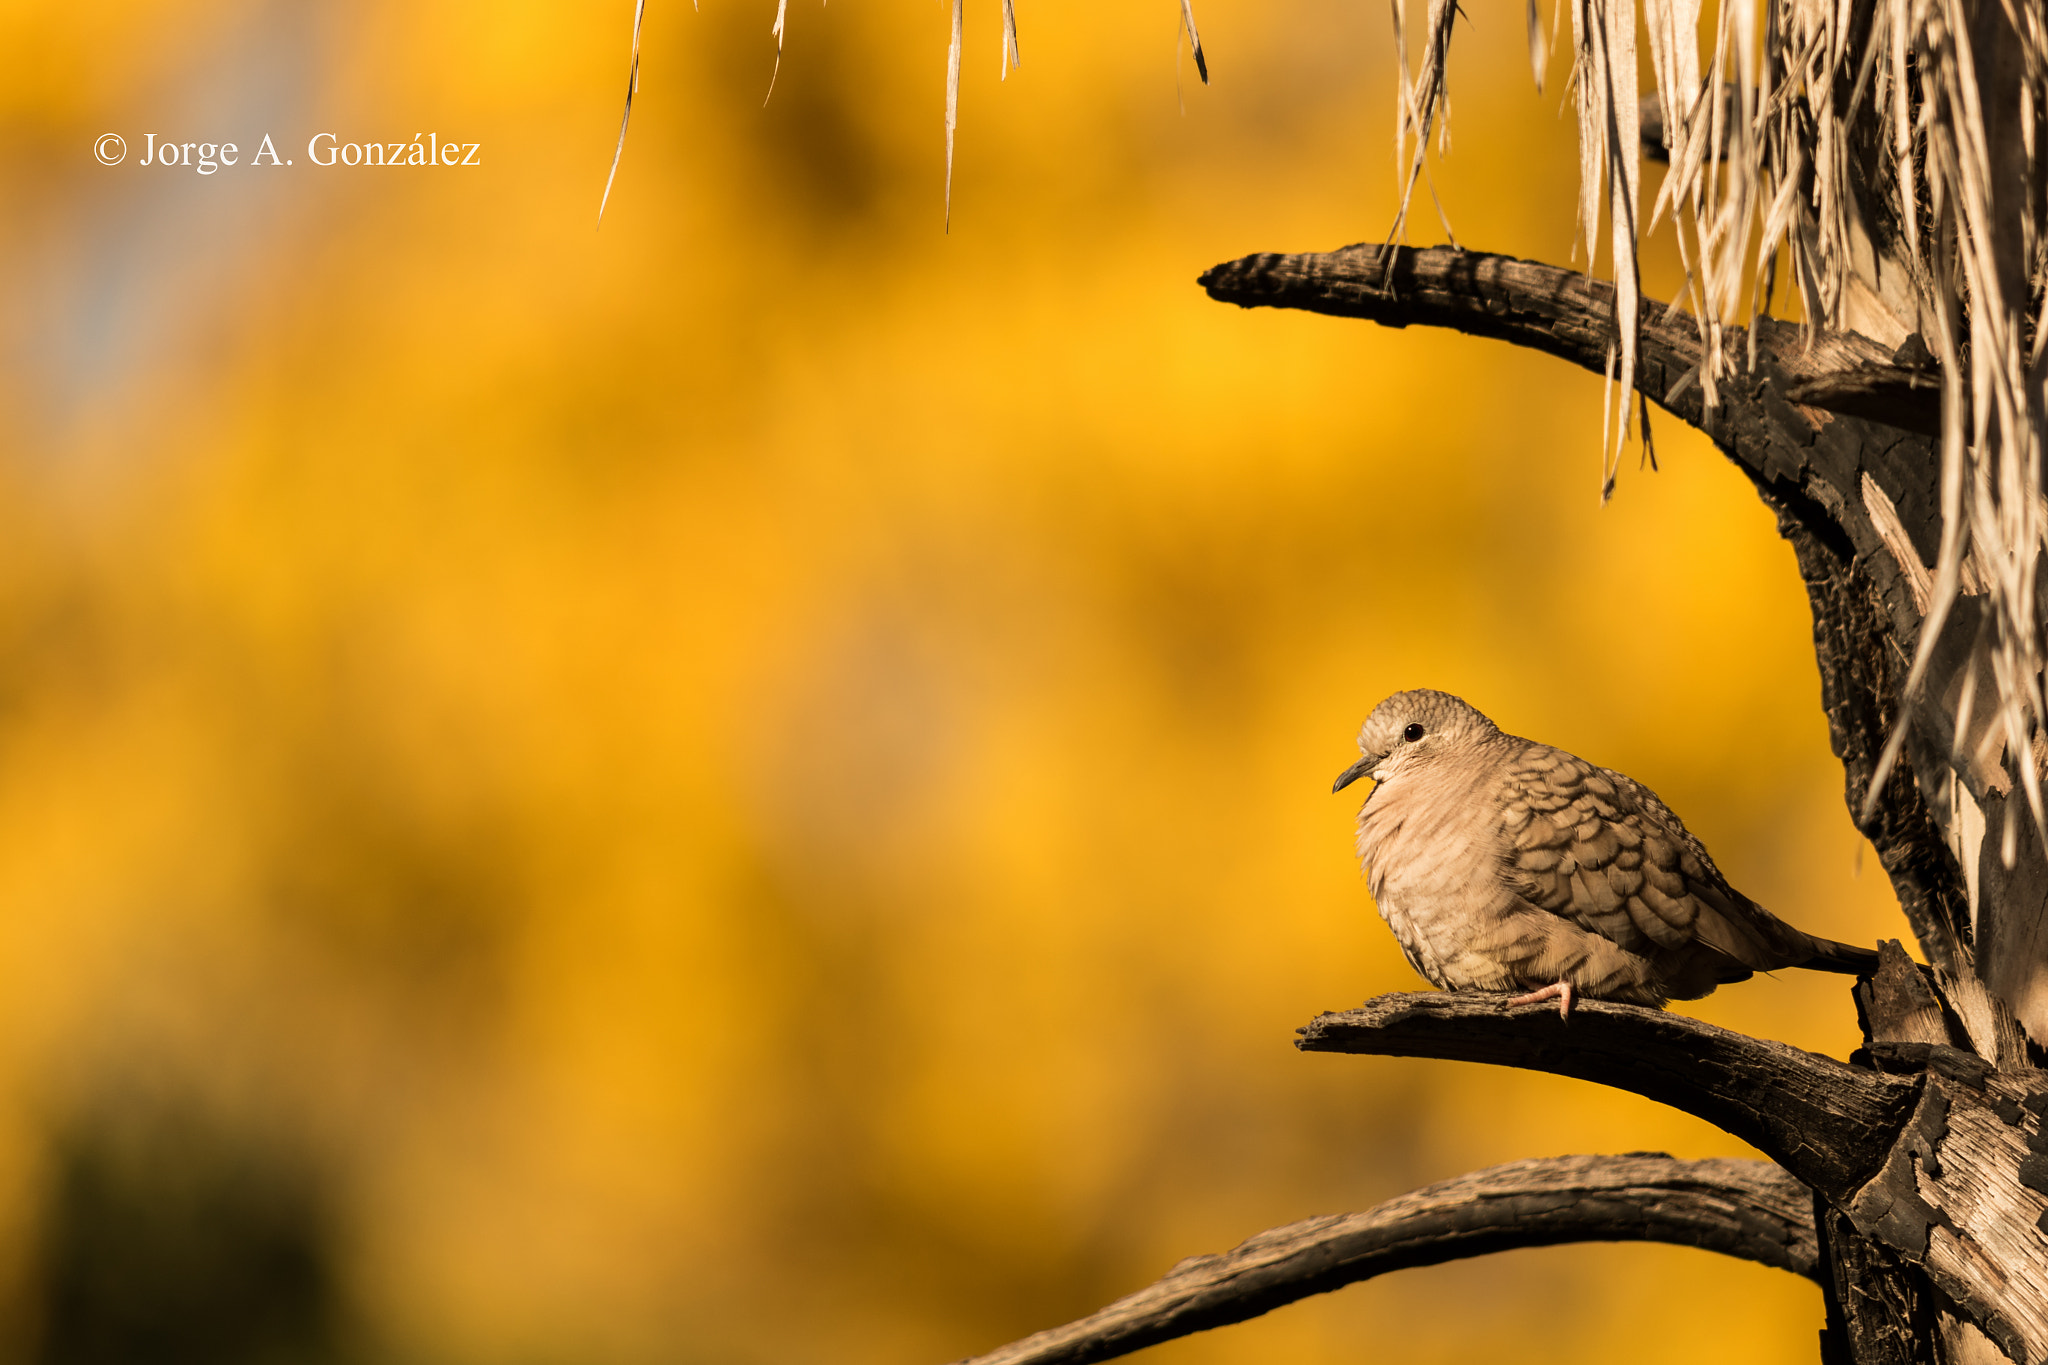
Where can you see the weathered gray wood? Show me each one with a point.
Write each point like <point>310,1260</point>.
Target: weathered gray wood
<point>1882,1308</point>
<point>1880,1311</point>
<point>1964,1190</point>
<point>1750,1209</point>
<point>1898,1003</point>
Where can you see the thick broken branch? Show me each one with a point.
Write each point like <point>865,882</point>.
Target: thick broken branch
<point>1831,1125</point>
<point>1749,1209</point>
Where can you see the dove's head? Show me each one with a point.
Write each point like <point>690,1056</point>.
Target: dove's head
<point>1414,728</point>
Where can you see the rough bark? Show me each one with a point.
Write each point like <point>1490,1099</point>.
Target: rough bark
<point>1748,1209</point>
<point>1878,1312</point>
<point>1901,396</point>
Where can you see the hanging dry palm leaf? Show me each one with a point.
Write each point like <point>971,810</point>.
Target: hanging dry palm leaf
<point>1931,229</point>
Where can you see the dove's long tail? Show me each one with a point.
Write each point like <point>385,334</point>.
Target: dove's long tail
<point>1830,956</point>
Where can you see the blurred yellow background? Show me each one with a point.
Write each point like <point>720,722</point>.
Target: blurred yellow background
<point>753,786</point>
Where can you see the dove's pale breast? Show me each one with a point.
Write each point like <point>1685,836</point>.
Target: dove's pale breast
<point>1433,852</point>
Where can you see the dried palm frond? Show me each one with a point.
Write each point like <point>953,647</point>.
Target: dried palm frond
<point>1421,103</point>
<point>1888,154</point>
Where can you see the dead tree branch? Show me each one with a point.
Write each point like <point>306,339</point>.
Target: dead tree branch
<point>1749,1209</point>
<point>1831,1125</point>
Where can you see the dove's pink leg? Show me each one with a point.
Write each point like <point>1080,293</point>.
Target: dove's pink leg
<point>1560,991</point>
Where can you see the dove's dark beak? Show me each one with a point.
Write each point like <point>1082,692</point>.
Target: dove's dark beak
<point>1352,774</point>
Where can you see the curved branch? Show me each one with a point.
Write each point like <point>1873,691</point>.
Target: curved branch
<point>1794,450</point>
<point>1562,312</point>
<point>1565,313</point>
<point>1830,1124</point>
<point>1750,1209</point>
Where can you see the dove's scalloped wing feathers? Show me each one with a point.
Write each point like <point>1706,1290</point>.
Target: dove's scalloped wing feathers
<point>1596,847</point>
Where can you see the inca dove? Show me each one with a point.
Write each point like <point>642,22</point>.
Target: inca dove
<point>1506,865</point>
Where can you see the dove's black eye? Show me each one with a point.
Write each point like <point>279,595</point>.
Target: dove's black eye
<point>1412,733</point>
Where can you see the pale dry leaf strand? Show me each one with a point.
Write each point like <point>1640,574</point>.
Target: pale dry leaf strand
<point>1403,98</point>
<point>781,14</point>
<point>1422,102</point>
<point>1675,62</point>
<point>1899,16</point>
<point>952,106</point>
<point>1590,81</point>
<point>1607,426</point>
<point>632,88</point>
<point>1187,17</point>
<point>1012,55</point>
<point>1948,559</point>
<point>1539,50</point>
<point>1609,153</point>
<point>1624,115</point>
<point>1443,217</point>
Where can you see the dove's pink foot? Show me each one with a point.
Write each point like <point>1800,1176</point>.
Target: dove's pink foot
<point>1560,991</point>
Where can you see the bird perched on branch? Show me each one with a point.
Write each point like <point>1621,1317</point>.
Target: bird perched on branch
<point>1506,865</point>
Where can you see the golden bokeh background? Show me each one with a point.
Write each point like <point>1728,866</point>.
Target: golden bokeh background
<point>753,785</point>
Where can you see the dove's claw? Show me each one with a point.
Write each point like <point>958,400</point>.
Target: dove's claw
<point>1560,991</point>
